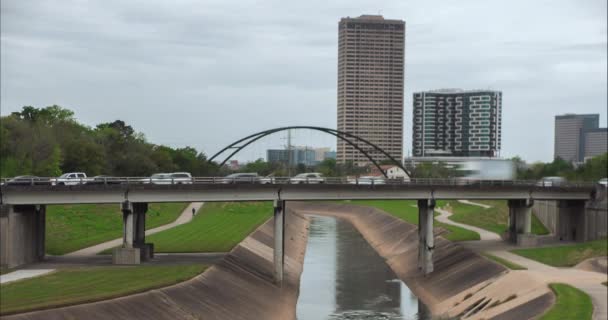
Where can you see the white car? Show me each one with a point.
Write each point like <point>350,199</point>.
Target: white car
<point>368,180</point>
<point>603,181</point>
<point>169,178</point>
<point>551,182</point>
<point>311,177</point>
<point>71,179</point>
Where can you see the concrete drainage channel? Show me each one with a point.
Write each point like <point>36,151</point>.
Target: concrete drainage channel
<point>241,286</point>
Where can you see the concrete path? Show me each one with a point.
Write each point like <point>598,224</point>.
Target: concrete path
<point>185,217</point>
<point>23,274</point>
<point>589,282</point>
<point>485,206</point>
<point>483,234</point>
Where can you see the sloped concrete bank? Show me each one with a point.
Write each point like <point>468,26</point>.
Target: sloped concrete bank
<point>238,287</point>
<point>463,284</point>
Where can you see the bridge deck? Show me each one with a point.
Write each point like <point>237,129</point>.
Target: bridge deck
<point>94,193</point>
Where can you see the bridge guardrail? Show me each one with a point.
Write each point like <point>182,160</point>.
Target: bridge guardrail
<point>52,181</point>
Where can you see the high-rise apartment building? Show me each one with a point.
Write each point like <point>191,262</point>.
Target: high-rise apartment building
<point>578,136</point>
<point>454,122</point>
<point>371,54</point>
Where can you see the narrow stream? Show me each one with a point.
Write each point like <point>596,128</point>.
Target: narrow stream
<point>344,278</point>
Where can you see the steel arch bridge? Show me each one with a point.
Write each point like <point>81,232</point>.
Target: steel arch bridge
<point>349,138</point>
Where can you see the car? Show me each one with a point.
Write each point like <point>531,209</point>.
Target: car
<point>241,178</point>
<point>169,178</point>
<point>71,179</point>
<point>27,181</point>
<point>368,180</point>
<point>603,181</point>
<point>104,180</point>
<point>551,182</point>
<point>310,177</point>
<point>267,180</point>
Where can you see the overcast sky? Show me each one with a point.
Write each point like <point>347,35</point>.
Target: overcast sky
<point>205,73</point>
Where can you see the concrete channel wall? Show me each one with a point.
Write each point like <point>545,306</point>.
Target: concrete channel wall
<point>238,287</point>
<point>463,283</point>
<point>591,222</point>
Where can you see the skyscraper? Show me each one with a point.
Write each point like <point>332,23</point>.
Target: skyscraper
<point>371,54</point>
<point>578,136</point>
<point>454,122</point>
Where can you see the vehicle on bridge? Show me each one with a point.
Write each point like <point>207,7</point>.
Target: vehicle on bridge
<point>27,181</point>
<point>71,179</point>
<point>169,178</point>
<point>551,182</point>
<point>310,177</point>
<point>367,180</point>
<point>242,177</point>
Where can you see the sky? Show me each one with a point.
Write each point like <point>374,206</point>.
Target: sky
<point>206,73</point>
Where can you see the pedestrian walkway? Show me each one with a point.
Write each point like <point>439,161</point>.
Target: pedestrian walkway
<point>483,234</point>
<point>589,282</point>
<point>23,274</point>
<point>185,217</point>
<point>485,206</point>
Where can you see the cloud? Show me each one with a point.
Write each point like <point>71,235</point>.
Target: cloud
<point>205,73</point>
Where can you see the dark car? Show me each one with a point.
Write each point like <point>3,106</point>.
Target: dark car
<point>27,181</point>
<point>241,178</point>
<point>104,180</point>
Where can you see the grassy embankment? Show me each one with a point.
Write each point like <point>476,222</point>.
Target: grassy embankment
<point>73,227</point>
<point>218,227</point>
<point>566,256</point>
<point>492,219</point>
<point>80,285</point>
<point>407,211</point>
<point>506,263</point>
<point>571,303</point>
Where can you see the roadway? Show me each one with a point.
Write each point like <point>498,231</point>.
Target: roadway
<point>337,190</point>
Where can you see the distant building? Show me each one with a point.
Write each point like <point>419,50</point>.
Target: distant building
<point>320,153</point>
<point>371,57</point>
<point>454,122</point>
<point>392,172</point>
<point>578,136</point>
<point>329,155</point>
<point>233,165</point>
<point>299,155</point>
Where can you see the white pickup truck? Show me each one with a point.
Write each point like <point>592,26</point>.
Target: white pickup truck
<point>71,179</point>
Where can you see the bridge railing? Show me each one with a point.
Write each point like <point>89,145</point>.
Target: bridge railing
<point>369,181</point>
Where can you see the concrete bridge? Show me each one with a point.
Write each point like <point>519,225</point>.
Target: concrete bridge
<point>22,217</point>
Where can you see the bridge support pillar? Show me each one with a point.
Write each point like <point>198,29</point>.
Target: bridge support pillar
<point>133,249</point>
<point>426,237</point>
<point>520,222</point>
<point>22,234</point>
<point>571,220</point>
<point>279,239</point>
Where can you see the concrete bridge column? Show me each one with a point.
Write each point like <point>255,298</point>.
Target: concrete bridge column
<point>22,234</point>
<point>520,222</point>
<point>426,237</point>
<point>571,220</point>
<point>279,239</point>
<point>146,250</point>
<point>132,239</point>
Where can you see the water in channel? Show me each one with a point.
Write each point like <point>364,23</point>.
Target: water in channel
<point>345,278</point>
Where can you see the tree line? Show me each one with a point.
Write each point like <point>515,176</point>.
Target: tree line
<point>49,141</point>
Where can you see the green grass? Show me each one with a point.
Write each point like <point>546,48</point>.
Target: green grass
<point>566,256</point>
<point>79,285</point>
<point>492,219</point>
<point>506,263</point>
<point>73,227</point>
<point>406,210</point>
<point>218,227</point>
<point>571,303</point>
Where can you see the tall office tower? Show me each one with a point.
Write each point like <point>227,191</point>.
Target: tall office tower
<point>578,136</point>
<point>371,54</point>
<point>454,122</point>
